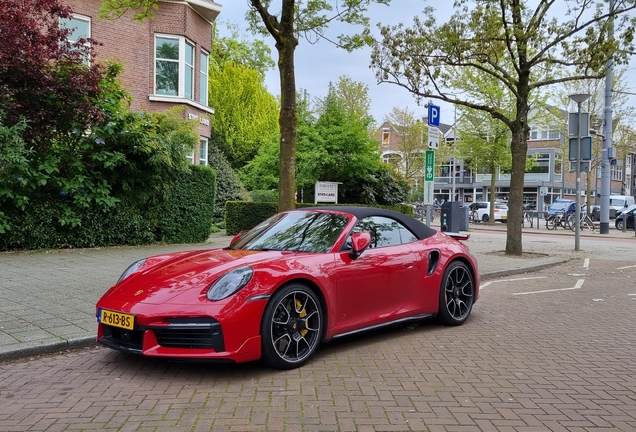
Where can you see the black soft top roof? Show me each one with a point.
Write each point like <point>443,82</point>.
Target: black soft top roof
<point>420,230</point>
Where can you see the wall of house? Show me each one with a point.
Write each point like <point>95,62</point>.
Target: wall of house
<point>132,43</point>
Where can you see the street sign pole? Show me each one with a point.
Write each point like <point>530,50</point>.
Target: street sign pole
<point>579,99</point>
<point>434,112</point>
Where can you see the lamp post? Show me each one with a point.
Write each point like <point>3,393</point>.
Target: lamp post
<point>579,99</point>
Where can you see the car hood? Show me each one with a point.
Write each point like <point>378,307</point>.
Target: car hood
<point>165,277</point>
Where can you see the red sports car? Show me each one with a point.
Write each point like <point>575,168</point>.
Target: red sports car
<point>299,278</point>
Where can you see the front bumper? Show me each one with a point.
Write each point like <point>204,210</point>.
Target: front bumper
<point>172,332</point>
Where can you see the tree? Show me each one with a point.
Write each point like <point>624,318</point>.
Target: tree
<point>285,27</point>
<point>333,145</point>
<point>523,48</point>
<point>412,147</point>
<point>255,53</point>
<point>245,112</point>
<point>43,78</point>
<point>484,142</point>
<point>355,98</point>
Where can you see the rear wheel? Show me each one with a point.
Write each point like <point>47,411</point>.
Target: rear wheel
<point>457,293</point>
<point>550,223</point>
<point>292,327</point>
<point>485,218</point>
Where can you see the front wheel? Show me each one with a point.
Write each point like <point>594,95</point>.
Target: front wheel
<point>456,295</point>
<point>292,327</point>
<point>619,225</point>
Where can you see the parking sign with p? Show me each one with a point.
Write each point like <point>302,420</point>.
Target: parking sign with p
<point>433,115</point>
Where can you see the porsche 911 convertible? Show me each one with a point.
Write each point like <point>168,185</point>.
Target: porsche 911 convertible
<point>297,279</point>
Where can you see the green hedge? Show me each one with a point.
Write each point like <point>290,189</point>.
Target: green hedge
<point>186,215</point>
<point>242,215</point>
<point>40,227</point>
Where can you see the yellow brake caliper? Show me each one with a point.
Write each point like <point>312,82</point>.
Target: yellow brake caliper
<point>301,314</point>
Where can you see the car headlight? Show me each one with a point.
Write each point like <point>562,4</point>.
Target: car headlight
<point>230,283</point>
<point>131,269</point>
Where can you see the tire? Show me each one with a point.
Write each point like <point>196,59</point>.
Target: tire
<point>292,327</point>
<point>485,218</point>
<point>456,294</point>
<point>550,223</point>
<point>619,225</point>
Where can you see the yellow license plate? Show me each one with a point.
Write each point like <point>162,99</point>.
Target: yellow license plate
<point>504,217</point>
<point>117,319</point>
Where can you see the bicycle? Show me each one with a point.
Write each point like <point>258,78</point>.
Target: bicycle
<point>526,219</point>
<point>474,217</point>
<point>585,222</point>
<point>555,220</point>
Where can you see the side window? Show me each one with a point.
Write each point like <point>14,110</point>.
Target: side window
<point>384,231</point>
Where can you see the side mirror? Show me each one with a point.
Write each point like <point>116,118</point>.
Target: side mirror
<point>237,236</point>
<point>359,242</point>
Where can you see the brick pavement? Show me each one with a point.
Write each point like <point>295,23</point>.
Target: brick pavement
<point>562,361</point>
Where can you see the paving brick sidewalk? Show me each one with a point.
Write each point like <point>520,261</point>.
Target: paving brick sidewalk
<point>47,298</point>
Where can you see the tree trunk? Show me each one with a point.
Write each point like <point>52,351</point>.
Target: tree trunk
<point>519,147</point>
<point>287,122</point>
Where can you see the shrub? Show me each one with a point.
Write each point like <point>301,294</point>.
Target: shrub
<point>39,227</point>
<point>228,185</point>
<point>186,214</point>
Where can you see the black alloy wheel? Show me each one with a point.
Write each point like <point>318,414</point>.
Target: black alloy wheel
<point>292,327</point>
<point>485,218</point>
<point>457,294</point>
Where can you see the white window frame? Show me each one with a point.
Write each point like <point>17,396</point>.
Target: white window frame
<point>203,142</point>
<point>84,18</point>
<point>183,42</point>
<point>204,74</point>
<point>386,137</point>
<point>190,157</point>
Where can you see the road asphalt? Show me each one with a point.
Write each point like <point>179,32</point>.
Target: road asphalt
<point>47,298</point>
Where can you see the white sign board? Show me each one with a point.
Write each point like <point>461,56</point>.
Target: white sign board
<point>433,137</point>
<point>326,192</point>
<point>429,195</point>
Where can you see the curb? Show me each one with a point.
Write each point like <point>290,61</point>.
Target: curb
<point>48,348</point>
<point>492,275</point>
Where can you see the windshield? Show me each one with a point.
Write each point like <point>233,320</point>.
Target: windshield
<point>617,202</point>
<point>560,205</point>
<point>294,231</point>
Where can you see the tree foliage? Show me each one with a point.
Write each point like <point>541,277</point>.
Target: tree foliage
<point>44,78</point>
<point>525,46</point>
<point>245,113</point>
<point>237,49</point>
<point>333,145</point>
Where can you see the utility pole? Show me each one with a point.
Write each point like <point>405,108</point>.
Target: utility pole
<point>606,169</point>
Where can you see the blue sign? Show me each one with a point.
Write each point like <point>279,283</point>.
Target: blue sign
<point>433,115</point>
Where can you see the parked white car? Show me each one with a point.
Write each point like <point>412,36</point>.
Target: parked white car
<point>481,212</point>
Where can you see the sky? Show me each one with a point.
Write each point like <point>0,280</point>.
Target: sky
<point>319,64</point>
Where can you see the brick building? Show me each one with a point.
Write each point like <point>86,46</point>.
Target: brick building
<point>165,59</point>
